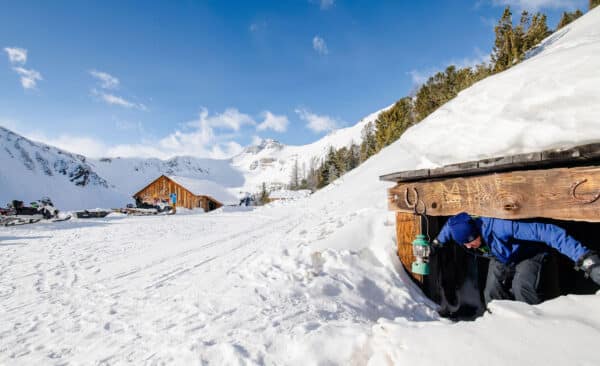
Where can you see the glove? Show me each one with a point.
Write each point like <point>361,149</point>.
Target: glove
<point>435,247</point>
<point>590,264</point>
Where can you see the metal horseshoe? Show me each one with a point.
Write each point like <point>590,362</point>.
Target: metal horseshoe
<point>582,200</point>
<point>415,205</point>
<point>411,205</point>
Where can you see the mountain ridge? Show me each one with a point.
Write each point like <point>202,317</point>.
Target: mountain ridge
<point>32,169</point>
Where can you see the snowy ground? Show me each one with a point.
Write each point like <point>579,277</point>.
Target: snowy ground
<point>253,287</point>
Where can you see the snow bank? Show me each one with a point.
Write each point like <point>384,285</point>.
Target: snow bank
<point>285,194</point>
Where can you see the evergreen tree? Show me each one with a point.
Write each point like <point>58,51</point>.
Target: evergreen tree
<point>567,18</point>
<point>444,86</point>
<point>353,156</point>
<point>341,161</point>
<point>368,147</point>
<point>518,40</point>
<point>537,31</point>
<point>312,177</point>
<point>295,176</point>
<point>392,123</point>
<point>263,197</point>
<point>593,4</point>
<point>502,52</point>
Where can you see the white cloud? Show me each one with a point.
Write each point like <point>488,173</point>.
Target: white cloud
<point>106,80</point>
<point>199,138</point>
<point>118,101</point>
<point>16,55</point>
<point>319,45</point>
<point>273,122</point>
<point>230,119</point>
<point>29,77</point>
<point>317,123</point>
<point>326,4</point>
<point>539,4</point>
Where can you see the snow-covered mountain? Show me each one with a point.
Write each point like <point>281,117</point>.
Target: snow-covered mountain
<point>272,162</point>
<point>269,161</point>
<point>31,169</point>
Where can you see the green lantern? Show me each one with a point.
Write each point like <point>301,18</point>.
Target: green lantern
<point>421,251</point>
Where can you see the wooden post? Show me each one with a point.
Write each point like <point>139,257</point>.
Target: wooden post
<point>408,225</point>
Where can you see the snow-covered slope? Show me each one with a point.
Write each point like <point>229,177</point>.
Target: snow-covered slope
<point>272,162</point>
<point>308,282</point>
<point>31,170</point>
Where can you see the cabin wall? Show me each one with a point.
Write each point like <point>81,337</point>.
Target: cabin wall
<point>161,189</point>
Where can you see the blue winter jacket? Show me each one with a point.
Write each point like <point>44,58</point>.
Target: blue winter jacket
<point>511,241</point>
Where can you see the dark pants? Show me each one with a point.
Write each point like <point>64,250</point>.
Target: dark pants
<point>521,281</point>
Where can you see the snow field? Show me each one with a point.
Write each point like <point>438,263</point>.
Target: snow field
<point>225,288</point>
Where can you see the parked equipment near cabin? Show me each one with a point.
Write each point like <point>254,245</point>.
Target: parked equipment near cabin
<point>17,213</point>
<point>85,214</point>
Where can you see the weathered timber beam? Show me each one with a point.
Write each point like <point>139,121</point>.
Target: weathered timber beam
<point>560,193</point>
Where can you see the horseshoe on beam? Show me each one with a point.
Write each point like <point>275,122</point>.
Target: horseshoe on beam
<point>582,200</point>
<point>411,205</point>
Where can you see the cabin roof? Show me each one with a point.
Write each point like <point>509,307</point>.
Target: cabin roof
<point>553,158</point>
<point>202,187</point>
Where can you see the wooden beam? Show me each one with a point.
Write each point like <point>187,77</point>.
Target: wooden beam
<point>560,193</point>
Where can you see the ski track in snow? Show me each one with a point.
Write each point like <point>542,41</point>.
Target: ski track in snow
<point>152,289</point>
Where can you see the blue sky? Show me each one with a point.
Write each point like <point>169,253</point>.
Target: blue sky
<point>205,78</point>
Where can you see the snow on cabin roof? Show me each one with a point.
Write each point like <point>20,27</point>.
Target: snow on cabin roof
<point>289,195</point>
<point>553,158</point>
<point>201,187</point>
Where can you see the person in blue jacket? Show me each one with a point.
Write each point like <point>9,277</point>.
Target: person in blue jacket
<point>517,253</point>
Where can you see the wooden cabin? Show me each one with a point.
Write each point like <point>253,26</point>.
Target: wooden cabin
<point>191,193</point>
<point>560,186</point>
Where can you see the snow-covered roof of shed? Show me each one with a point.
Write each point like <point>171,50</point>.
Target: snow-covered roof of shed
<point>201,187</point>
